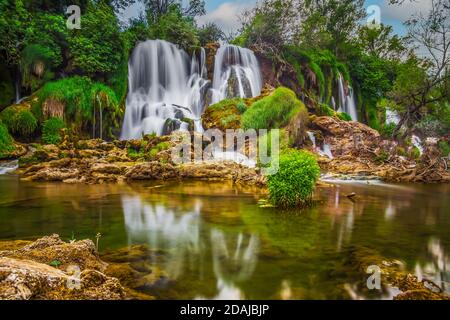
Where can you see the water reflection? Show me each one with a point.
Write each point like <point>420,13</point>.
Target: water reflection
<point>436,269</point>
<point>231,257</point>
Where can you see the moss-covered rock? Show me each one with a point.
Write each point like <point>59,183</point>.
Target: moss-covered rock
<point>273,111</point>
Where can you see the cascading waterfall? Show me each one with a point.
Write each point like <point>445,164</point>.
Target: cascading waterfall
<point>415,140</point>
<point>236,74</point>
<point>324,151</point>
<point>347,100</point>
<point>165,86</point>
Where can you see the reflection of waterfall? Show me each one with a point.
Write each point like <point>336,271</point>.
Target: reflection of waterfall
<point>436,270</point>
<point>234,264</point>
<point>325,151</point>
<point>8,166</point>
<point>347,100</point>
<point>236,74</point>
<point>163,229</point>
<point>165,86</point>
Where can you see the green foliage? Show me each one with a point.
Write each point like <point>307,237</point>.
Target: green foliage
<point>295,179</point>
<point>343,116</point>
<point>35,63</point>
<point>323,109</point>
<point>273,111</point>
<point>20,122</point>
<point>242,107</point>
<point>415,152</point>
<point>81,97</point>
<point>444,147</point>
<point>6,87</point>
<point>387,130</point>
<point>210,33</point>
<point>96,48</point>
<point>382,157</point>
<point>6,141</point>
<point>176,28</point>
<point>51,130</point>
<point>25,124</point>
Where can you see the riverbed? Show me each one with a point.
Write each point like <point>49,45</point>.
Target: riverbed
<point>218,242</point>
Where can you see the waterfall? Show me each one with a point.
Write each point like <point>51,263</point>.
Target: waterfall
<point>392,117</point>
<point>415,140</point>
<point>8,166</point>
<point>347,100</point>
<point>165,86</point>
<point>325,151</point>
<point>236,74</point>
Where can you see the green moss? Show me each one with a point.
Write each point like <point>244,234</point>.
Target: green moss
<point>415,153</point>
<point>51,130</point>
<point>401,151</point>
<point>444,147</point>
<point>20,121</point>
<point>83,100</point>
<point>6,142</point>
<point>273,111</point>
<point>294,182</point>
<point>344,116</point>
<point>387,130</point>
<point>382,157</point>
<point>25,124</point>
<point>241,106</point>
<point>323,109</point>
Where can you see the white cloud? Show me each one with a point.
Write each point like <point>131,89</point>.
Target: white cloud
<point>404,11</point>
<point>226,16</point>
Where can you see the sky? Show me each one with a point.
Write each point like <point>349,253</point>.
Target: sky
<point>225,13</point>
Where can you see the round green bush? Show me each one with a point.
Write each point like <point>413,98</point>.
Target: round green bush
<point>51,130</point>
<point>295,179</point>
<point>6,141</point>
<point>25,123</point>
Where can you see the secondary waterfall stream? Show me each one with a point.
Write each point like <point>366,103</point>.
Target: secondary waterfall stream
<point>347,100</point>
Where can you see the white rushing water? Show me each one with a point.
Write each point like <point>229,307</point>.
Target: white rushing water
<point>165,86</point>
<point>8,166</point>
<point>415,140</point>
<point>347,100</point>
<point>236,74</point>
<point>324,151</point>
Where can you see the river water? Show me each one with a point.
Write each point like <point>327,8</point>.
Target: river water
<point>219,243</point>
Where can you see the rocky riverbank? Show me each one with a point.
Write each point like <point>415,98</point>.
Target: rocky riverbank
<point>358,150</point>
<point>52,269</point>
<point>97,161</point>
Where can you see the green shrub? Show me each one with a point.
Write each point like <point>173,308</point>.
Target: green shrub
<point>415,153</point>
<point>273,111</point>
<point>444,147</point>
<point>25,123</point>
<point>51,130</point>
<point>6,141</point>
<point>294,182</point>
<point>241,107</point>
<point>388,129</point>
<point>81,97</point>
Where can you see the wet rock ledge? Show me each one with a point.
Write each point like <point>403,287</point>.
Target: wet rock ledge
<point>52,269</point>
<point>98,161</point>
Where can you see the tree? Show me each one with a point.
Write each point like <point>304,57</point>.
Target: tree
<point>96,48</point>
<point>210,32</point>
<point>157,8</point>
<point>381,42</point>
<point>423,83</point>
